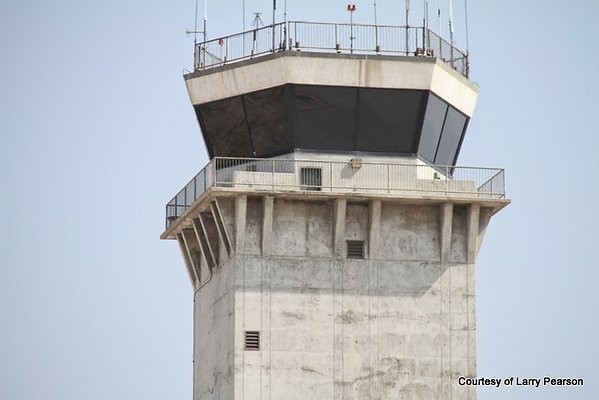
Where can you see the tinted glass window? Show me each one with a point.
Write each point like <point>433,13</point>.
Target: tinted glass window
<point>431,128</point>
<point>225,130</point>
<point>266,113</point>
<point>389,120</point>
<point>450,138</point>
<point>325,117</point>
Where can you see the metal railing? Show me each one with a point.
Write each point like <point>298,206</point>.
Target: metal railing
<point>339,177</point>
<point>331,38</point>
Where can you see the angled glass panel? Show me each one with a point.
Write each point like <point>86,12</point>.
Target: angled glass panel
<point>431,128</point>
<point>224,128</point>
<point>455,122</point>
<point>266,112</point>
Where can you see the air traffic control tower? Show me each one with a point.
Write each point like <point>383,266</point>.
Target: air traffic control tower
<point>331,240</point>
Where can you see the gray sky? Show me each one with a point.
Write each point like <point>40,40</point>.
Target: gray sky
<point>97,134</point>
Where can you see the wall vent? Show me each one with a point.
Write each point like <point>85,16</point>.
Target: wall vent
<point>311,178</point>
<point>355,249</point>
<point>252,340</point>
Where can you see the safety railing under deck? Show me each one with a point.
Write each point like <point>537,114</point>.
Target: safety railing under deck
<point>330,38</point>
<point>354,176</point>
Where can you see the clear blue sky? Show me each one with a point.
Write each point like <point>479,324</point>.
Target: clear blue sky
<point>97,134</point>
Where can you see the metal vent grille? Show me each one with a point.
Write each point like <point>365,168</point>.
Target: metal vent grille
<point>355,249</point>
<point>252,340</point>
<point>311,178</point>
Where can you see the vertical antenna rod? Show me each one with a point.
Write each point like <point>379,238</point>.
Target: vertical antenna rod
<point>466,20</point>
<point>205,20</point>
<point>195,28</point>
<point>451,29</point>
<point>376,31</point>
<point>451,22</point>
<point>274,10</point>
<point>285,26</point>
<point>425,27</point>
<point>407,25</point>
<point>438,18</point>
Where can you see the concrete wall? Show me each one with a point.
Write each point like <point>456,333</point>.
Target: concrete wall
<point>214,335</point>
<point>398,324</point>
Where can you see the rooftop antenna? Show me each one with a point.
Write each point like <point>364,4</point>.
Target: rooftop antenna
<point>407,25</point>
<point>466,20</point>
<point>451,30</point>
<point>438,18</point>
<point>274,20</point>
<point>285,26</point>
<point>376,32</point>
<point>451,22</point>
<point>351,8</point>
<point>257,22</point>
<point>425,32</point>
<point>195,30</point>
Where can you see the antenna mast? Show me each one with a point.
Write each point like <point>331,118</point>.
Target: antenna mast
<point>451,22</point>
<point>205,20</point>
<point>407,25</point>
<point>438,18</point>
<point>466,20</point>
<point>274,11</point>
<point>376,31</point>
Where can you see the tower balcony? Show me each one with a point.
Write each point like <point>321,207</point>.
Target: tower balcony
<point>309,175</point>
<point>340,38</point>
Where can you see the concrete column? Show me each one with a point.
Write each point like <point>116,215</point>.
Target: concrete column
<point>339,225</point>
<point>374,229</point>
<point>446,214</point>
<point>267,213</point>
<point>472,233</point>
<point>240,221</point>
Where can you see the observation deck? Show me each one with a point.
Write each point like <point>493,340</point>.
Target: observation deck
<point>337,38</point>
<point>309,176</point>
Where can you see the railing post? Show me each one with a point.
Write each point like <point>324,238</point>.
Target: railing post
<point>273,175</point>
<point>388,178</point>
<point>213,169</point>
<point>446,180</point>
<point>331,175</point>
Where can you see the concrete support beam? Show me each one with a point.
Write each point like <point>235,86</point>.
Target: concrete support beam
<point>220,225</point>
<point>472,233</point>
<point>241,203</point>
<point>200,231</point>
<point>191,270</point>
<point>339,227</point>
<point>374,229</point>
<point>446,217</point>
<point>485,217</point>
<point>267,215</point>
<point>221,250</point>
